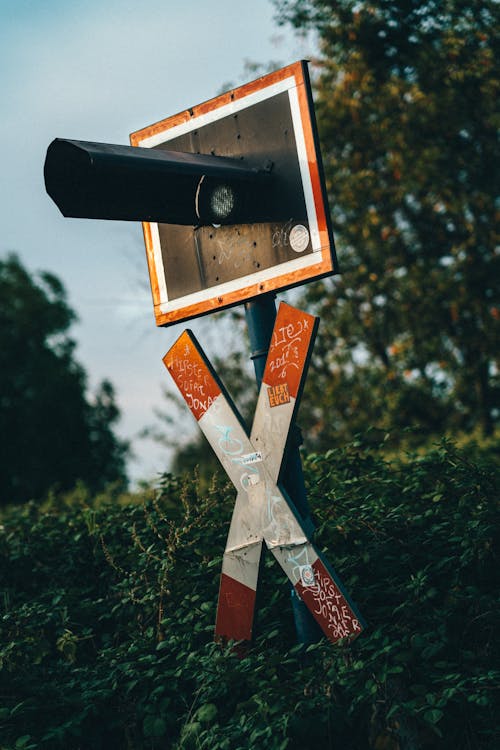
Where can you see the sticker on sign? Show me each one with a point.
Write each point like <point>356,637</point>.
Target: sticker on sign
<point>278,394</point>
<point>251,458</point>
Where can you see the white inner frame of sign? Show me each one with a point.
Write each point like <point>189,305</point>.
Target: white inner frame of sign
<point>288,84</point>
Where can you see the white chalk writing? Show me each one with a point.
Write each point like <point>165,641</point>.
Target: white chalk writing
<point>232,447</point>
<point>330,606</point>
<point>281,235</point>
<point>285,352</point>
<point>192,380</point>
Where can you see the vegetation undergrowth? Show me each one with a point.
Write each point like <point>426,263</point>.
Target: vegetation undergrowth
<point>107,616</point>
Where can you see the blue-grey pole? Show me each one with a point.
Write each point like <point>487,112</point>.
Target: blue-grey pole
<point>260,315</point>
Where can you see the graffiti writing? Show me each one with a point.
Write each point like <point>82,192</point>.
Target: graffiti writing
<point>233,250</point>
<point>299,559</point>
<point>328,605</point>
<point>280,237</point>
<point>232,447</point>
<point>278,529</point>
<point>285,349</point>
<point>198,389</point>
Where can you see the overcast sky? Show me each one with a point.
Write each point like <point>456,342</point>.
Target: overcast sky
<point>99,70</point>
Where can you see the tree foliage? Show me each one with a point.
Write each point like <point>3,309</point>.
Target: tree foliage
<point>406,95</point>
<point>52,434</point>
<point>108,614</point>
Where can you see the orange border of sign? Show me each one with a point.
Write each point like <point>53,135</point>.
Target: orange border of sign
<point>326,264</point>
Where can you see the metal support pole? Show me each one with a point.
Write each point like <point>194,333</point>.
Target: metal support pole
<point>260,315</point>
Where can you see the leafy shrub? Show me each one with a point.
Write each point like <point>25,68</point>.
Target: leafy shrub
<point>108,614</point>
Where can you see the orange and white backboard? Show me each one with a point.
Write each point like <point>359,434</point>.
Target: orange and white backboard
<point>267,124</point>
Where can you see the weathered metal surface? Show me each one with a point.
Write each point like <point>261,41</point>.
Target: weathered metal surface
<point>262,512</point>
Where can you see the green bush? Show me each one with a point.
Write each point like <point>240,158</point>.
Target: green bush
<point>108,613</point>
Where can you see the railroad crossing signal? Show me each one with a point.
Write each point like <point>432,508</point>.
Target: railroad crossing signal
<point>233,202</point>
<point>231,193</point>
<point>263,511</point>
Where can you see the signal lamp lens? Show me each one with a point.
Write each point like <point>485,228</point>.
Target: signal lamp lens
<point>222,202</point>
<point>218,202</point>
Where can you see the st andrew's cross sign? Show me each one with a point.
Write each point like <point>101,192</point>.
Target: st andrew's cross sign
<point>263,511</point>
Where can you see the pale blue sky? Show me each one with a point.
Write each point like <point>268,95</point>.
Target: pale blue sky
<point>98,70</point>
